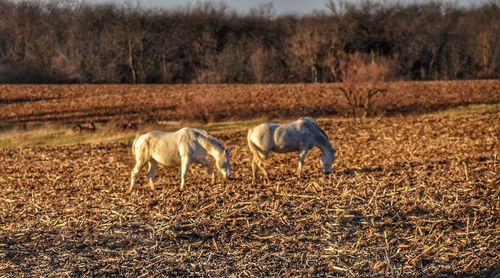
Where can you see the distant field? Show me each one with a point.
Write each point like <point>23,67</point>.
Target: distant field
<point>409,197</point>
<point>208,103</point>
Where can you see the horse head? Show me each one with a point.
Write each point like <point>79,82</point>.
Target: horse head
<point>223,163</point>
<point>327,158</point>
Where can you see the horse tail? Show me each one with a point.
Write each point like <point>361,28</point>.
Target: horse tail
<point>253,148</point>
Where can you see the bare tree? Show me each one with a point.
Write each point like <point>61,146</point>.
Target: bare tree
<point>305,45</point>
<point>362,79</point>
<point>133,34</point>
<point>73,41</point>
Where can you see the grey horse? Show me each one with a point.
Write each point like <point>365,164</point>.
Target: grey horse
<point>299,136</point>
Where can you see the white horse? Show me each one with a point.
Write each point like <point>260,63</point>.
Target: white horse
<point>299,136</point>
<point>182,147</point>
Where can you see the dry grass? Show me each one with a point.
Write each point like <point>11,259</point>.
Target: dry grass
<point>415,196</point>
<point>58,135</point>
<point>55,136</point>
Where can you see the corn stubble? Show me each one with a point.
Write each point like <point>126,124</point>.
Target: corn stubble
<point>409,196</point>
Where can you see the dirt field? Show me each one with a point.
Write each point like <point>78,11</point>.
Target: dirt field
<point>409,196</point>
<point>207,103</point>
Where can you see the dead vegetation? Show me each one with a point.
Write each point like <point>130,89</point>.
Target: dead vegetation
<point>415,196</point>
<point>138,104</point>
<point>371,72</point>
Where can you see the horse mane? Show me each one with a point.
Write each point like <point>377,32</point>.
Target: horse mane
<point>307,118</point>
<point>323,137</point>
<point>205,136</point>
<point>322,132</point>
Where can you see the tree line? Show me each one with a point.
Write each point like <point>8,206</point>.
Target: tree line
<point>77,42</point>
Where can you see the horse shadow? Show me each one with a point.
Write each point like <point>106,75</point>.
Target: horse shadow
<point>364,170</point>
<point>491,272</point>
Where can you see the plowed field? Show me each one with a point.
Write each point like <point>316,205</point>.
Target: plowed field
<point>409,196</point>
<point>205,103</point>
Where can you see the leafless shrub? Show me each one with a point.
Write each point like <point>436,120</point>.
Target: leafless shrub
<point>362,79</point>
<point>85,127</point>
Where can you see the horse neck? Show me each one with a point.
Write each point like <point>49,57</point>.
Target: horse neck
<point>213,147</point>
<point>216,152</point>
<point>325,146</point>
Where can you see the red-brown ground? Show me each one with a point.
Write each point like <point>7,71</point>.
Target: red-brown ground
<point>149,103</point>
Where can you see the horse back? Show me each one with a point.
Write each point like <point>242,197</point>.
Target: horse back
<point>301,134</point>
<point>289,137</point>
<point>262,137</point>
<point>159,146</point>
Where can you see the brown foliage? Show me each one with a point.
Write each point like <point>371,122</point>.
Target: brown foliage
<point>85,127</point>
<point>372,71</point>
<point>76,42</point>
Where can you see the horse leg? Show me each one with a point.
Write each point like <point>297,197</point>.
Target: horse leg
<point>151,173</point>
<point>263,170</point>
<point>210,168</point>
<point>302,158</point>
<point>254,162</point>
<point>184,168</point>
<point>133,174</point>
